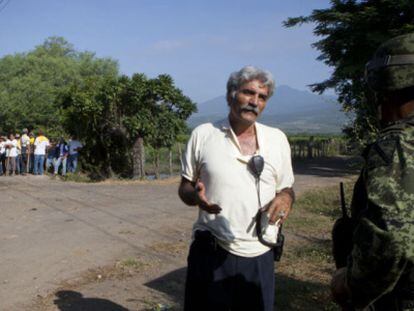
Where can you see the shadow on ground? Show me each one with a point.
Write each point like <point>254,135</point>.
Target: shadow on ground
<point>294,294</point>
<point>291,293</point>
<point>73,301</point>
<point>171,284</point>
<point>328,167</point>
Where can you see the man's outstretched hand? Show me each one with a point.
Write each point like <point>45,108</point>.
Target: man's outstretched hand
<point>202,201</point>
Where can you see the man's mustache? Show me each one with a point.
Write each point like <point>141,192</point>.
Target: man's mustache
<point>250,108</point>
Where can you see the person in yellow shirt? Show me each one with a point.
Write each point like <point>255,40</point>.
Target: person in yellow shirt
<point>31,152</point>
<point>41,144</point>
<point>19,154</point>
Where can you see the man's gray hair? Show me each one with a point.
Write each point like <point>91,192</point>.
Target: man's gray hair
<point>247,74</point>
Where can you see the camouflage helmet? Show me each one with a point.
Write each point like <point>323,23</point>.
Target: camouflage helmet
<point>392,67</point>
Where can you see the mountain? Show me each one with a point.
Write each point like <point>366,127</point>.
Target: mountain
<point>291,110</point>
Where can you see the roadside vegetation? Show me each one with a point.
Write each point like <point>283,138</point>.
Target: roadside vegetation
<point>303,274</point>
<point>349,32</point>
<point>76,93</point>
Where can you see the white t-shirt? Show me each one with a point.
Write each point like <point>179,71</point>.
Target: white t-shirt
<point>25,140</point>
<point>15,151</point>
<point>213,155</point>
<point>41,143</point>
<point>2,148</point>
<point>12,150</point>
<point>74,144</point>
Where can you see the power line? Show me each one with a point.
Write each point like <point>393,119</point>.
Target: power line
<point>4,6</point>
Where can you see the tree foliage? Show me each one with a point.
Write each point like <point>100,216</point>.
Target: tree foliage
<point>30,83</point>
<point>351,31</point>
<point>63,91</point>
<point>111,114</point>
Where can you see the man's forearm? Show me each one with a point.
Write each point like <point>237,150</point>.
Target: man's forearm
<point>187,193</point>
<point>288,192</point>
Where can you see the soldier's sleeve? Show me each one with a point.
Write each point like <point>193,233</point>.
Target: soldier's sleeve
<point>384,236</point>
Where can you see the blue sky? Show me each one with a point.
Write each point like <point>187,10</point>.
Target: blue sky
<point>198,42</point>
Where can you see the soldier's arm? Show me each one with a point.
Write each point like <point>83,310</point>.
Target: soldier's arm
<point>377,262</point>
<point>384,236</point>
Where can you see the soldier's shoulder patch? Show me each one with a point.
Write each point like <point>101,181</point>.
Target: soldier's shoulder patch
<point>381,153</point>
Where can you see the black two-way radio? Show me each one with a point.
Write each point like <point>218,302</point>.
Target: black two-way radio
<point>256,165</point>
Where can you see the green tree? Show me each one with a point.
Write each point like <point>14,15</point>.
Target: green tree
<point>30,83</point>
<point>155,111</point>
<point>351,31</point>
<point>115,116</point>
<point>90,111</point>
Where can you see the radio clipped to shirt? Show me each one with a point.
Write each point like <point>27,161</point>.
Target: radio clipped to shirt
<point>256,165</point>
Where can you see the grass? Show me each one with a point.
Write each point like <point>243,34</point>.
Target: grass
<point>76,177</point>
<point>304,272</point>
<point>156,306</point>
<point>130,264</point>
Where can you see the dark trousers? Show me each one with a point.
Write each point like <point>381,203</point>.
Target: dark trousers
<point>218,280</point>
<point>2,164</point>
<point>23,162</point>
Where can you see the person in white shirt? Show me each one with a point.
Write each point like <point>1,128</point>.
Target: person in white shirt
<point>11,154</point>
<point>40,144</point>
<point>234,170</point>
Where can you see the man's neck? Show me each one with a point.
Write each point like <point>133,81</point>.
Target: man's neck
<point>242,129</point>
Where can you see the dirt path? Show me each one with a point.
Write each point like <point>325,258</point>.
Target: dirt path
<point>120,245</point>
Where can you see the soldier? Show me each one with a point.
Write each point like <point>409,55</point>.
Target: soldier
<point>379,274</point>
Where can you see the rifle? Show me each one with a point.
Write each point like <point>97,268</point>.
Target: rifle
<point>342,233</point>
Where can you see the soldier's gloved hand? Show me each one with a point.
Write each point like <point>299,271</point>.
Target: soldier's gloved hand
<point>203,203</point>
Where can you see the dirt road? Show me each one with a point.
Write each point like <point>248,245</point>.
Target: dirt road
<point>121,245</point>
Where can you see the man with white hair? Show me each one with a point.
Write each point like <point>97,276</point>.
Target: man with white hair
<point>233,170</point>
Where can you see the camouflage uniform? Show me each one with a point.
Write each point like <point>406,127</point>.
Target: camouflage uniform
<point>380,273</point>
<point>383,203</point>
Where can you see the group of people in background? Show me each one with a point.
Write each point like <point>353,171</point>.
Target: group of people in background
<point>27,153</point>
